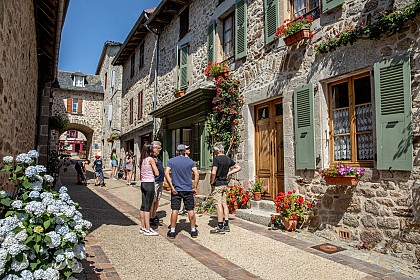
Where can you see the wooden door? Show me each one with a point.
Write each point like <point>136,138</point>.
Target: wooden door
<point>269,146</point>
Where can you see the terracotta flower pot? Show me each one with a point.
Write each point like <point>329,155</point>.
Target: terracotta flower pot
<point>233,207</point>
<point>296,37</point>
<point>257,196</point>
<point>179,93</point>
<point>290,224</point>
<point>341,180</point>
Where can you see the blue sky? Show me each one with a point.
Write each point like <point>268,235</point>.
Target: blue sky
<point>89,23</point>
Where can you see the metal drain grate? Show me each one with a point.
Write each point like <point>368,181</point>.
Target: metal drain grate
<point>328,248</point>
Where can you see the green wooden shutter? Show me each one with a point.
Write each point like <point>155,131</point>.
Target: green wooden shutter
<point>210,41</point>
<point>304,127</point>
<point>240,32</point>
<point>393,114</point>
<point>271,19</point>
<point>330,4</point>
<point>183,67</point>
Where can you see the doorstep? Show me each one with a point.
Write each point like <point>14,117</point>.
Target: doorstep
<point>259,213</point>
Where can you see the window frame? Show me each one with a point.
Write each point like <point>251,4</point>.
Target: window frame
<point>79,81</point>
<point>352,116</point>
<point>140,105</point>
<point>184,22</point>
<point>73,103</point>
<point>131,112</point>
<point>307,9</point>
<point>132,64</point>
<point>141,55</point>
<point>106,79</point>
<point>232,41</point>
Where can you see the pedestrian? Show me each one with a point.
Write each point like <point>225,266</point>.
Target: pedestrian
<point>181,167</point>
<point>223,168</point>
<point>148,171</point>
<point>114,163</point>
<point>157,147</point>
<point>99,174</point>
<point>80,167</point>
<point>129,167</point>
<point>183,212</point>
<point>124,165</point>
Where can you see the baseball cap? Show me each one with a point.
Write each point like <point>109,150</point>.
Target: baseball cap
<point>97,156</point>
<point>181,147</point>
<point>187,147</point>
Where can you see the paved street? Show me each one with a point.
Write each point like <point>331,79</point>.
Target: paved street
<point>116,249</point>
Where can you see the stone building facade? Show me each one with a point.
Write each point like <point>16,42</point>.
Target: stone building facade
<point>111,81</point>
<point>284,144</point>
<point>79,98</point>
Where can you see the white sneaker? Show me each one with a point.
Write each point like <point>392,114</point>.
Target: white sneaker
<point>150,232</point>
<point>142,230</point>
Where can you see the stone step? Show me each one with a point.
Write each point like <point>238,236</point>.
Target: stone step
<point>253,215</point>
<point>264,205</point>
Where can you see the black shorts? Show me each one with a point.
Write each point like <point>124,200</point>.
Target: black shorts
<point>187,197</point>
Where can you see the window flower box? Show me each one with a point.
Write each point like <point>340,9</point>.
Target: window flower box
<point>342,175</point>
<point>341,180</point>
<point>296,37</point>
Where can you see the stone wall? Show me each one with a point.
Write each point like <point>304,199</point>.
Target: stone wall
<point>18,79</point>
<point>112,95</point>
<point>87,122</point>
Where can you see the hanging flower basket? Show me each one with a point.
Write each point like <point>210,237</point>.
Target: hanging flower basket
<point>341,180</point>
<point>178,93</point>
<point>296,37</point>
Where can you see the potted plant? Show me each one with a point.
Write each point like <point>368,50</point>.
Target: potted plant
<point>236,197</point>
<point>58,122</point>
<point>342,175</point>
<point>257,188</point>
<point>293,209</point>
<point>112,137</point>
<point>295,30</point>
<point>217,69</point>
<point>178,92</point>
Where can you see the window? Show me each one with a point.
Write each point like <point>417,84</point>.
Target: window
<point>184,22</point>
<point>183,67</point>
<point>301,7</point>
<point>351,120</point>
<point>228,36</point>
<point>75,106</point>
<point>131,110</point>
<point>79,81</point>
<point>72,133</point>
<point>133,60</point>
<point>106,80</point>
<point>140,106</point>
<point>141,56</point>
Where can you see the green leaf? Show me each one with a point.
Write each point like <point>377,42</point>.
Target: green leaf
<point>33,265</point>
<point>67,272</point>
<point>37,248</point>
<point>6,201</point>
<point>26,184</point>
<point>25,196</point>
<point>38,238</point>
<point>47,239</point>
<point>29,239</point>
<point>18,168</point>
<point>47,224</point>
<point>9,213</point>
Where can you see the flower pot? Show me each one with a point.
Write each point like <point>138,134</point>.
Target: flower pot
<point>179,93</point>
<point>221,75</point>
<point>296,37</point>
<point>257,196</point>
<point>341,180</point>
<point>290,224</point>
<point>233,207</point>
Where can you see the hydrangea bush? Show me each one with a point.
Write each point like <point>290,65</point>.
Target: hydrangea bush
<point>41,231</point>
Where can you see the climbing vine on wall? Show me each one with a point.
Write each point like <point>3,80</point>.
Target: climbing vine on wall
<point>222,122</point>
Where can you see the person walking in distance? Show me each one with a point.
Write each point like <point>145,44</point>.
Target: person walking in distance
<point>148,171</point>
<point>223,168</point>
<point>156,148</point>
<point>114,163</point>
<point>80,167</point>
<point>99,174</point>
<point>129,167</point>
<point>181,188</point>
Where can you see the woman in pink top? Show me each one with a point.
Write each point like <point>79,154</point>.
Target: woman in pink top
<point>148,171</point>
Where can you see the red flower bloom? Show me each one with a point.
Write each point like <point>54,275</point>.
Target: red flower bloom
<point>337,35</point>
<point>294,217</point>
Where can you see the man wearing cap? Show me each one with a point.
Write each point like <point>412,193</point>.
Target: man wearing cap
<point>182,190</point>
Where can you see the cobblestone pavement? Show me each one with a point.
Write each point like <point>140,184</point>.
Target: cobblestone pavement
<point>116,249</point>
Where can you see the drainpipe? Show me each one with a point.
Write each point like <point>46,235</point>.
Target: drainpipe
<point>157,37</point>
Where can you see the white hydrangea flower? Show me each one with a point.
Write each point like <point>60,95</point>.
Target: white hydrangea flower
<point>79,251</point>
<point>33,154</point>
<point>35,207</point>
<point>18,266</point>
<point>63,189</point>
<point>76,266</point>
<point>52,274</point>
<point>3,193</point>
<point>3,254</point>
<point>36,186</point>
<point>60,258</point>
<point>47,195</point>
<point>62,229</point>
<point>39,274</point>
<point>70,237</point>
<point>27,275</point>
<point>8,159</point>
<point>17,204</point>
<point>40,168</point>
<point>69,254</point>
<point>31,171</point>
<point>11,277</point>
<point>15,249</point>
<point>49,178</point>
<point>34,194</point>
<point>21,236</point>
<point>59,221</point>
<point>65,196</point>
<point>23,158</point>
<point>55,239</point>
